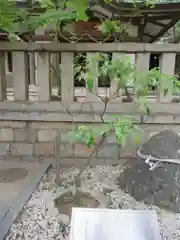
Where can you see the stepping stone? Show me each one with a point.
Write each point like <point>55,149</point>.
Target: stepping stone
<point>160,187</point>
<point>108,224</point>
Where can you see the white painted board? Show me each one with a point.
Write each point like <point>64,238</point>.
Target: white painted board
<point>113,224</point>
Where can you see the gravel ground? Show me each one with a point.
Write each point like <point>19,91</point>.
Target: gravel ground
<point>40,220</point>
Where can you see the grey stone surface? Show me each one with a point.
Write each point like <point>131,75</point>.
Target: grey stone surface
<point>4,210</point>
<point>108,151</point>
<point>16,194</point>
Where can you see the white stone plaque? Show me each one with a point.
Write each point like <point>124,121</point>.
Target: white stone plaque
<point>113,224</point>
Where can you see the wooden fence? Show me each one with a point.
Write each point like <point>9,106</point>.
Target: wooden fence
<point>23,102</point>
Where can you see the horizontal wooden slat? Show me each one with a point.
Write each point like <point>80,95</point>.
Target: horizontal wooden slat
<point>113,107</point>
<point>15,113</point>
<point>92,47</point>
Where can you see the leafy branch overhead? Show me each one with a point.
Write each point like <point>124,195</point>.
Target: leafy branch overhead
<point>16,20</point>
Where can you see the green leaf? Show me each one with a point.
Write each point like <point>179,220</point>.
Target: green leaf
<point>109,27</point>
<point>89,140</point>
<point>89,81</point>
<point>45,3</point>
<point>79,7</point>
<point>82,134</point>
<point>137,140</point>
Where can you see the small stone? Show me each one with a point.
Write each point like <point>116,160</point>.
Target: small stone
<point>63,218</point>
<point>53,212</point>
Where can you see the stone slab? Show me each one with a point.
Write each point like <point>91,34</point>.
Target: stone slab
<point>17,193</point>
<point>160,187</point>
<point>108,224</point>
<point>4,210</point>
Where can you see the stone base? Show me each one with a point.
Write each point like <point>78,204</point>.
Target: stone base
<point>35,141</point>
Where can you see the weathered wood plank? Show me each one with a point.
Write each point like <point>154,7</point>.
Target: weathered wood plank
<point>43,77</point>
<point>107,224</point>
<point>2,76</point>
<point>20,75</point>
<point>93,47</point>
<point>132,109</point>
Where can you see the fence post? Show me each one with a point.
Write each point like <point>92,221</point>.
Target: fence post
<point>43,77</point>
<point>55,71</point>
<point>92,60</point>
<point>142,62</point>
<point>167,64</point>
<point>114,85</point>
<point>67,76</point>
<point>20,76</point>
<point>32,68</point>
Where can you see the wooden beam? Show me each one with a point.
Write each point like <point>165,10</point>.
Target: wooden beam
<point>93,47</point>
<point>141,6</point>
<point>164,16</point>
<point>153,21</point>
<point>165,29</point>
<point>148,35</point>
<point>141,28</point>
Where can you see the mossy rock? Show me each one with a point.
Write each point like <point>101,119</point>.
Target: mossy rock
<point>159,187</point>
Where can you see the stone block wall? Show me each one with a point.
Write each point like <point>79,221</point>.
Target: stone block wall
<point>35,141</point>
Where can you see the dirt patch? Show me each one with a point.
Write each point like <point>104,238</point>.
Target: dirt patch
<point>65,202</point>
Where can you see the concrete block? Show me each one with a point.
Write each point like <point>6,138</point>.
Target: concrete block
<point>46,135</point>
<point>4,148</point>
<point>32,135</point>
<point>21,135</point>
<point>81,150</point>
<point>44,149</point>
<point>66,150</point>
<point>18,149</point>
<point>6,135</point>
